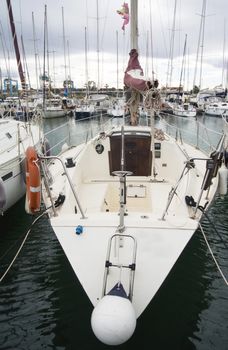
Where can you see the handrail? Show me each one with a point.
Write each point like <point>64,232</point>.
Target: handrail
<point>68,178</point>
<point>78,135</point>
<point>197,138</point>
<point>16,134</point>
<point>109,264</point>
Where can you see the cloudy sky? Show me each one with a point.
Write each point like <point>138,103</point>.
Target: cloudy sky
<point>79,14</point>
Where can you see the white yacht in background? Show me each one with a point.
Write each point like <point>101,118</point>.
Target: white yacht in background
<point>184,110</point>
<point>15,138</point>
<point>216,108</point>
<point>54,108</point>
<point>84,110</point>
<point>100,101</point>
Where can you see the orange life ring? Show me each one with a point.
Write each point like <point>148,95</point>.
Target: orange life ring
<point>33,182</point>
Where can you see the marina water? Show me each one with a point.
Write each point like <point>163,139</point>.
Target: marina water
<point>43,306</point>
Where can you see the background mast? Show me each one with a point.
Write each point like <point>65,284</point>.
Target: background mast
<point>16,47</point>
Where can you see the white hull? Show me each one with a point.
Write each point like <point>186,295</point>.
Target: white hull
<point>12,159</point>
<point>217,109</point>
<point>15,184</point>
<point>84,111</point>
<point>54,113</point>
<point>161,234</point>
<point>116,112</point>
<point>184,113</point>
<point>158,248</point>
<point>215,113</point>
<point>185,110</point>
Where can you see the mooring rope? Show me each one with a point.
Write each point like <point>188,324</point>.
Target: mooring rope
<point>212,254</point>
<point>21,246</point>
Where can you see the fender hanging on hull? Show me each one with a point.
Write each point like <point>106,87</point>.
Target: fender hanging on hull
<point>2,195</point>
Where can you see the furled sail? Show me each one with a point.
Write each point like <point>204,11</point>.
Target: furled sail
<point>134,77</point>
<point>135,80</point>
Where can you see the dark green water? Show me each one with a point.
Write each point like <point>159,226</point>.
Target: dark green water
<point>42,305</point>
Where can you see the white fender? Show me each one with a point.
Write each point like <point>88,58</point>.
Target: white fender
<point>113,320</point>
<point>2,195</point>
<point>223,176</point>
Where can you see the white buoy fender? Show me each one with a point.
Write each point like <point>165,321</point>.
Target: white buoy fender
<point>113,320</point>
<point>223,176</point>
<point>65,147</point>
<point>23,169</point>
<point>2,194</point>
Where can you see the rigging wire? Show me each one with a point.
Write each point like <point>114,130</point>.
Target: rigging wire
<point>4,49</point>
<point>102,40</point>
<point>25,63</point>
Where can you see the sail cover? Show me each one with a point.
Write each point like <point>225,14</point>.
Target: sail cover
<point>133,77</point>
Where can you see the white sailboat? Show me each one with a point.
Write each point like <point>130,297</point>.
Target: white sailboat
<point>15,137</point>
<point>124,205</point>
<point>54,108</point>
<point>184,110</point>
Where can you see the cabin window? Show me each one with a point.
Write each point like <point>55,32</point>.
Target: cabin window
<point>9,135</point>
<point>157,150</point>
<point>157,146</point>
<point>7,176</point>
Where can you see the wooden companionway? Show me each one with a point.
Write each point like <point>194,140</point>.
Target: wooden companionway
<point>137,153</point>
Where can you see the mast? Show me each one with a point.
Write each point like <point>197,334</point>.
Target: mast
<point>200,44</point>
<point>224,49</point>
<point>25,62</point>
<point>69,69</point>
<point>16,47</point>
<point>53,68</point>
<point>183,62</point>
<point>44,57</point>
<point>151,44</point>
<point>86,64</point>
<point>98,51</point>
<point>134,24</point>
<point>64,50</point>
<point>147,55</point>
<point>35,52</point>
<point>48,57</point>
<point>226,82</point>
<point>117,63</point>
<point>1,89</point>
<point>170,62</point>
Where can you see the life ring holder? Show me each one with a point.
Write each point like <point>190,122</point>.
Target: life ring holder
<point>33,181</point>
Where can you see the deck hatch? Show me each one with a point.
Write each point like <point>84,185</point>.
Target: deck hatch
<point>136,191</point>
